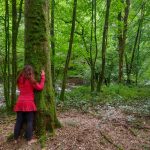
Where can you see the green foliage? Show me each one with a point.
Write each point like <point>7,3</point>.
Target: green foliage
<point>10,137</point>
<point>78,64</point>
<point>81,98</point>
<point>4,112</point>
<point>126,92</point>
<point>42,141</point>
<point>63,11</point>
<point>78,98</point>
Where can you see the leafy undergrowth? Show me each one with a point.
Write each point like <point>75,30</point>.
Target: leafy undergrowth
<point>133,99</point>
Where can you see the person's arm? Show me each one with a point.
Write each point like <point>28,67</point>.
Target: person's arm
<point>40,85</point>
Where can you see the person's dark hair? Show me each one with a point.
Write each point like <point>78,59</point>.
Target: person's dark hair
<point>28,74</point>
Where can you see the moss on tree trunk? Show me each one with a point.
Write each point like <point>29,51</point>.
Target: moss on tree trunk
<point>37,54</point>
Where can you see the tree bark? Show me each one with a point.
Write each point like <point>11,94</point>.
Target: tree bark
<point>91,49</point>
<point>37,54</point>
<point>14,53</point>
<point>122,38</point>
<point>6,74</point>
<point>104,46</point>
<point>69,51</point>
<point>95,32</point>
<point>137,39</point>
<point>15,28</point>
<point>120,46</point>
<point>138,58</point>
<point>52,33</point>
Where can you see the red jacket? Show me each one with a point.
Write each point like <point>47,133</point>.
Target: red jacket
<point>25,101</point>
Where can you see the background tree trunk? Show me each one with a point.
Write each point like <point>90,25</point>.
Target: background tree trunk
<point>95,32</point>
<point>104,45</point>
<point>52,33</point>
<point>15,28</point>
<point>14,53</point>
<point>91,50</point>
<point>120,48</point>
<point>122,38</point>
<point>6,73</point>
<point>69,51</point>
<point>138,57</point>
<point>37,54</point>
<point>136,43</point>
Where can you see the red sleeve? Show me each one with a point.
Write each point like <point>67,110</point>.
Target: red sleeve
<point>40,85</point>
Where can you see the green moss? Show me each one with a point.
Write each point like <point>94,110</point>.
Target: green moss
<point>10,137</point>
<point>57,123</point>
<point>42,141</point>
<point>37,53</point>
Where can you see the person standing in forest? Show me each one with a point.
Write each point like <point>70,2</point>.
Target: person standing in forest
<point>25,106</point>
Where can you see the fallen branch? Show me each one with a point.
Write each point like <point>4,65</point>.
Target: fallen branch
<point>126,127</point>
<point>129,126</point>
<point>130,129</point>
<point>111,141</point>
<point>140,127</point>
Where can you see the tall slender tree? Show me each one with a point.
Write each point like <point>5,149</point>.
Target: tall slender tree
<point>95,32</point>
<point>138,57</point>
<point>122,33</point>
<point>104,46</point>
<point>52,33</point>
<point>136,43</point>
<point>37,54</point>
<point>6,74</point>
<point>14,53</point>
<point>91,49</point>
<point>69,51</point>
<point>15,27</point>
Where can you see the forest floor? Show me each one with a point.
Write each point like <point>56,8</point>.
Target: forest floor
<point>102,128</point>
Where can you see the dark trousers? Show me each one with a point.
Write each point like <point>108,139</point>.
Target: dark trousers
<point>21,118</point>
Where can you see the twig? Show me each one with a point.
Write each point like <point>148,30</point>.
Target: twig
<point>110,141</point>
<point>127,127</point>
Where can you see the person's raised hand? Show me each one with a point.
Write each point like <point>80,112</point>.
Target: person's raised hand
<point>42,73</point>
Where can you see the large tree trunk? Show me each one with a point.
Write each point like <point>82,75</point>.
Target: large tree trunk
<point>69,51</point>
<point>104,45</point>
<point>122,38</point>
<point>37,54</point>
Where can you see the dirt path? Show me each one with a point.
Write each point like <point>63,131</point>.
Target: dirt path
<point>109,129</point>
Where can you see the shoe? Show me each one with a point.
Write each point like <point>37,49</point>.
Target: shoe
<point>32,141</point>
